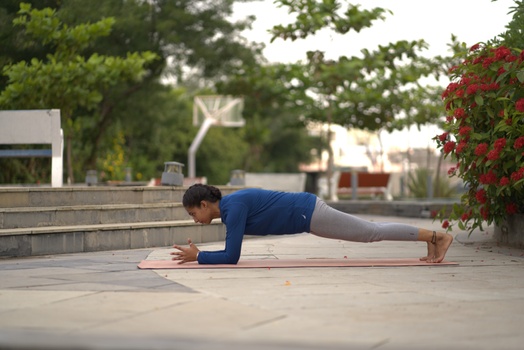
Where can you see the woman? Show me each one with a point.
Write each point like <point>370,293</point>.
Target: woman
<point>262,212</point>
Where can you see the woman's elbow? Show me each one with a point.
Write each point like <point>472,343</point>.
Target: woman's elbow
<point>232,259</point>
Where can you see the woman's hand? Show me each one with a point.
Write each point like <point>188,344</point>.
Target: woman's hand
<point>186,254</point>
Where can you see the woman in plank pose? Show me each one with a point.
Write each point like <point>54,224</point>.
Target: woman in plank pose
<point>263,212</point>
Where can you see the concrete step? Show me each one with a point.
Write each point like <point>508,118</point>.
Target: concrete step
<point>90,214</point>
<point>16,197</point>
<point>88,238</point>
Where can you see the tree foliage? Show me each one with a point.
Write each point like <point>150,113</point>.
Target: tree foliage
<point>380,89</point>
<point>513,37</point>
<point>66,80</point>
<point>195,43</point>
<point>313,16</point>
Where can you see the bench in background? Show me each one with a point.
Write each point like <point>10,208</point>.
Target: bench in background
<point>32,127</point>
<point>356,184</point>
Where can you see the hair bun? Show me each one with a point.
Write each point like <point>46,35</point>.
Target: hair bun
<point>215,192</point>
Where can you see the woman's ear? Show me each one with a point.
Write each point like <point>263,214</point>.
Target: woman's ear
<point>203,204</point>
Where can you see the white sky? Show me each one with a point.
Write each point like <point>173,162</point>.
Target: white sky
<point>471,21</point>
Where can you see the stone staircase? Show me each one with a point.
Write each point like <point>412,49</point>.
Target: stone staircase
<point>44,220</point>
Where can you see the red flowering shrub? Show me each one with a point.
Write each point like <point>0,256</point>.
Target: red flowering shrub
<point>485,134</point>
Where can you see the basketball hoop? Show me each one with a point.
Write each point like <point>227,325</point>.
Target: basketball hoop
<point>213,110</point>
<point>222,110</point>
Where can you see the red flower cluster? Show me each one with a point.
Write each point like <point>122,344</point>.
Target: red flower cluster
<point>489,87</point>
<point>519,143</point>
<point>517,175</point>
<point>461,146</point>
<point>459,113</point>
<point>481,149</point>
<point>504,181</point>
<point>465,216</point>
<point>487,62</point>
<point>465,130</point>
<point>472,89</point>
<point>519,105</point>
<point>500,143</point>
<point>449,147</point>
<point>493,154</point>
<point>443,137</point>
<point>489,178</point>
<point>481,196</point>
<point>502,52</point>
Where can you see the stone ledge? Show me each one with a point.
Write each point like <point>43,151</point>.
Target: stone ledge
<point>415,209</point>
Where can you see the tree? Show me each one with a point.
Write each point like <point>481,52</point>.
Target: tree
<point>66,80</point>
<point>379,90</point>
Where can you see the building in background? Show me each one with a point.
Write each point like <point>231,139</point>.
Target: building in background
<point>363,151</point>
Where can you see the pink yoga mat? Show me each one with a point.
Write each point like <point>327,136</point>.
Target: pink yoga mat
<point>289,263</point>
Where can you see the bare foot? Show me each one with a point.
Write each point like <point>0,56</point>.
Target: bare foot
<point>432,252</point>
<point>444,240</point>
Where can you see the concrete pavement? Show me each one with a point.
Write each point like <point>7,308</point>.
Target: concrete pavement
<point>100,300</point>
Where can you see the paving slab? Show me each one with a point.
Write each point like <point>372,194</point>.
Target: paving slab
<point>100,300</point>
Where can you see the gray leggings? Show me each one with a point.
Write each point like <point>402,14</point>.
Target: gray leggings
<point>331,223</point>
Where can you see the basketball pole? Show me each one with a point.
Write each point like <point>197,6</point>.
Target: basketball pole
<point>208,122</point>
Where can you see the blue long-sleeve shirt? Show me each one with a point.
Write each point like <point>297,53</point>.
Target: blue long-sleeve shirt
<point>259,212</point>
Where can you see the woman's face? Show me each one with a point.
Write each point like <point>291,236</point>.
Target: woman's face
<point>201,214</point>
